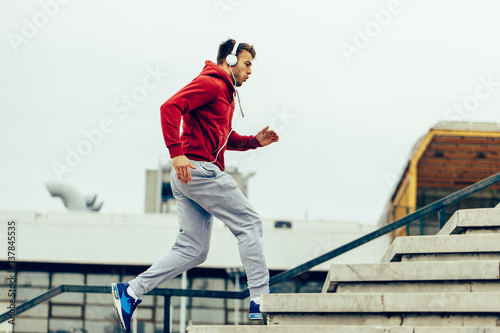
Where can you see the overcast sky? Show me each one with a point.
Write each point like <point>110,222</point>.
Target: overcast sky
<point>350,86</point>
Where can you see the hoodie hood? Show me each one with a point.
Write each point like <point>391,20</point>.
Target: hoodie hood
<point>213,70</point>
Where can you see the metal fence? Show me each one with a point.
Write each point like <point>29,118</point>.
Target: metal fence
<point>436,207</point>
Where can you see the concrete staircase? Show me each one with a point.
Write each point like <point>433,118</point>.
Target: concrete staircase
<point>449,282</point>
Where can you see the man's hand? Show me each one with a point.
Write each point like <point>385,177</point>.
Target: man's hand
<point>182,168</point>
<point>266,137</point>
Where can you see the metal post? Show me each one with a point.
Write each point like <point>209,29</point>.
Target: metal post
<point>183,305</point>
<point>408,225</point>
<point>442,218</point>
<point>236,301</point>
<point>236,273</point>
<point>159,184</point>
<point>166,314</point>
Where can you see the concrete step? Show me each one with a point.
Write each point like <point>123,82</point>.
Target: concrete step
<point>300,329</point>
<point>441,248</point>
<point>339,329</point>
<point>383,309</point>
<point>473,221</point>
<point>458,276</point>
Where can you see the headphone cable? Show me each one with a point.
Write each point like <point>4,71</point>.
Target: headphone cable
<point>235,95</point>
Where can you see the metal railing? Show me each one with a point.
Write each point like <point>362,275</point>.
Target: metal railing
<point>437,206</point>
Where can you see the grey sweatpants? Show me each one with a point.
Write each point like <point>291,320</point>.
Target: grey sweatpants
<point>211,193</point>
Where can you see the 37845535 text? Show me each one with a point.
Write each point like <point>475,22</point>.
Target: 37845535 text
<point>11,278</point>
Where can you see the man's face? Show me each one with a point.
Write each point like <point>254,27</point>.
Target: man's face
<point>243,68</point>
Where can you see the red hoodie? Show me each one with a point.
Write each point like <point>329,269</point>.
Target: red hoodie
<point>206,106</point>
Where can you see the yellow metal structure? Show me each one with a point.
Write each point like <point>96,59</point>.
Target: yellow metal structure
<point>450,156</point>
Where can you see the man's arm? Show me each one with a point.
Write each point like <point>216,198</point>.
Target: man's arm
<point>241,142</point>
<point>200,91</point>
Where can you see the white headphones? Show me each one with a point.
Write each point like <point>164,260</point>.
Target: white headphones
<point>232,58</point>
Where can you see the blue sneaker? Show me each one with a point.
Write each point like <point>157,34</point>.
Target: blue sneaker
<point>125,305</point>
<point>254,312</point>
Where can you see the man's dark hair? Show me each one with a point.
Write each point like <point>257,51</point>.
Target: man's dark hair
<point>226,47</point>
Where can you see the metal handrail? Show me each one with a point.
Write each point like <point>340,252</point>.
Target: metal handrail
<point>437,206</point>
<point>166,292</point>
